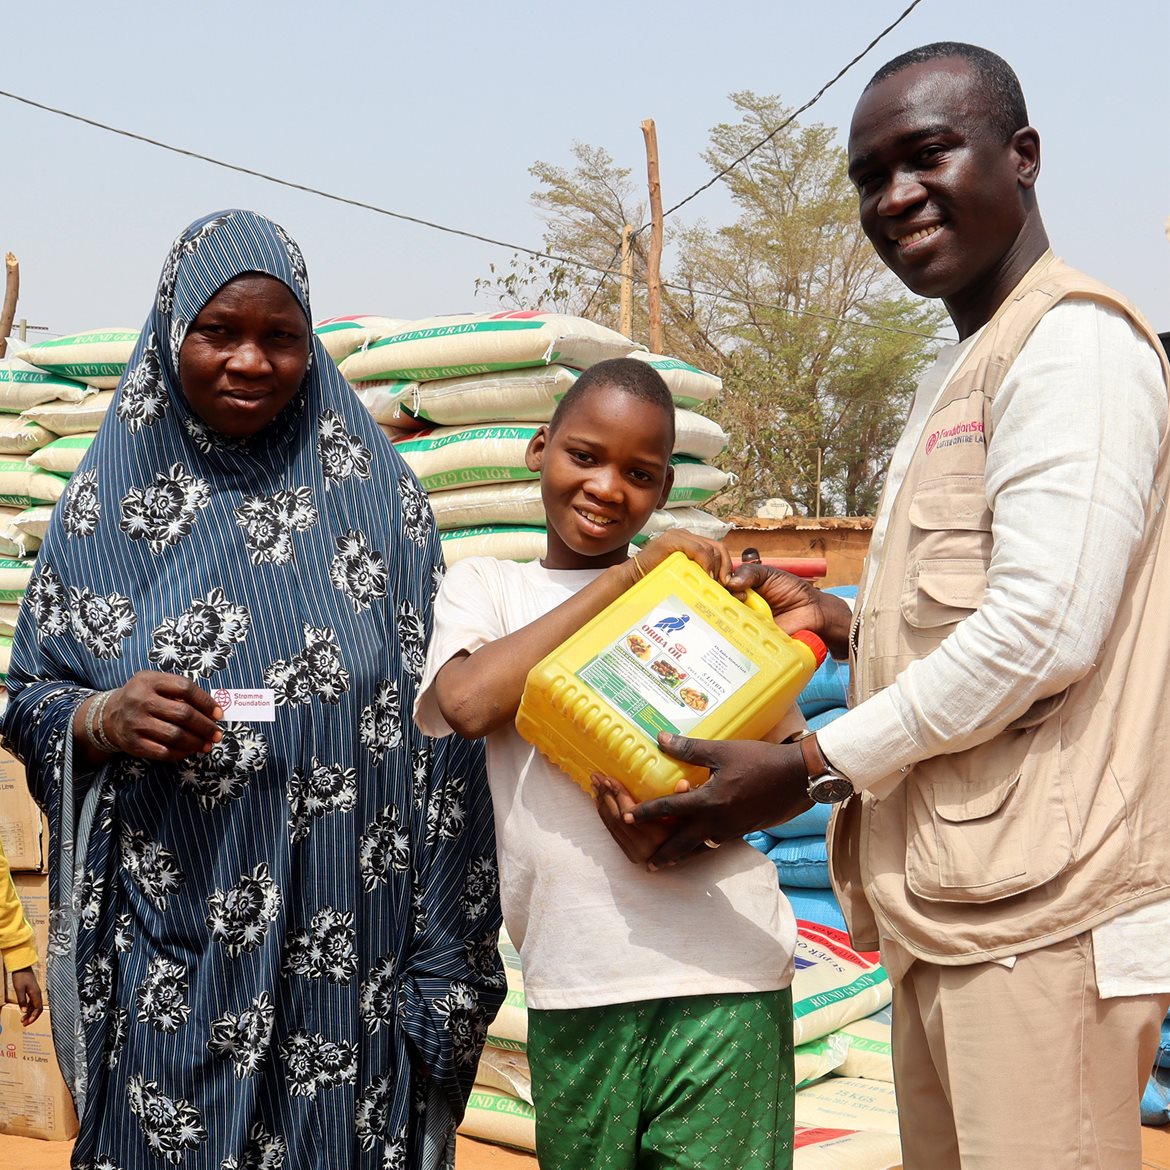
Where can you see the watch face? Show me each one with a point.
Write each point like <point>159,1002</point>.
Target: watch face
<point>829,788</point>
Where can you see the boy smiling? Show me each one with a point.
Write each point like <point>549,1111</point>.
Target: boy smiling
<point>656,1000</point>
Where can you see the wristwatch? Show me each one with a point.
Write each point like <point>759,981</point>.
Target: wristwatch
<point>825,786</point>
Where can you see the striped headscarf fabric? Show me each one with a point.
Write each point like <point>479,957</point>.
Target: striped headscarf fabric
<point>283,953</point>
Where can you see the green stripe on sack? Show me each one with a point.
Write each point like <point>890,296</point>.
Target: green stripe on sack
<point>38,376</point>
<point>70,442</point>
<point>336,327</point>
<point>464,476</point>
<point>461,330</point>
<point>491,1103</point>
<point>488,530</point>
<point>430,443</point>
<point>438,373</point>
<point>836,994</point>
<point>102,337</point>
<point>504,1044</point>
<point>676,364</point>
<point>9,596</point>
<point>90,369</point>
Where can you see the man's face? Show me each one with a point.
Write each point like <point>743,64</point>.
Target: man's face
<point>942,195</point>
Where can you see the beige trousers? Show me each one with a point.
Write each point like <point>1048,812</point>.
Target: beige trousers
<point>1021,1068</point>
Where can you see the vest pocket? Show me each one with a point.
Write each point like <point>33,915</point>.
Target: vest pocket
<point>974,838</point>
<point>948,554</point>
<point>943,591</point>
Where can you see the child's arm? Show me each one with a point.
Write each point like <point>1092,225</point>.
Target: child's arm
<point>480,692</point>
<point>28,995</point>
<point>16,946</point>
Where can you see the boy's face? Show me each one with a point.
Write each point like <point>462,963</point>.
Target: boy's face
<point>603,470</point>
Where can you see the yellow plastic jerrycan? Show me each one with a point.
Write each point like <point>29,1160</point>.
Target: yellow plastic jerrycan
<point>676,652</point>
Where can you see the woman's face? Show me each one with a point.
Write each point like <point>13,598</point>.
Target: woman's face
<point>245,355</point>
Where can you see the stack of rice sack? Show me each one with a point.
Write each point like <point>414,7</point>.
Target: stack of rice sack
<point>462,396</point>
<point>53,397</point>
<point>500,1107</point>
<point>798,848</point>
<point>841,1026</point>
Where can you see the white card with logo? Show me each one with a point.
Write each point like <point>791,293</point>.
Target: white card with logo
<point>244,706</point>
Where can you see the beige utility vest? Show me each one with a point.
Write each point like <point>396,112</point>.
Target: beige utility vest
<point>1062,820</point>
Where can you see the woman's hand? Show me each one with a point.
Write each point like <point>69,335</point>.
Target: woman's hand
<point>28,995</point>
<point>161,717</point>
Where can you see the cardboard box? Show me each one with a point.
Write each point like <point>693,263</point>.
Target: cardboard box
<point>33,891</point>
<point>23,830</point>
<point>34,1100</point>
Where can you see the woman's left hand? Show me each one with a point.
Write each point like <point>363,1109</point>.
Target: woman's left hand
<point>162,718</point>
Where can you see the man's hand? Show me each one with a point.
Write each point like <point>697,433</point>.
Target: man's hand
<point>752,785</point>
<point>28,995</point>
<point>161,717</point>
<point>797,605</point>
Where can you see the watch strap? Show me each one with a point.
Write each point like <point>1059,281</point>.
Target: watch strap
<point>814,761</point>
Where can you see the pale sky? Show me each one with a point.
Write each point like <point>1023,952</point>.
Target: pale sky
<point>438,110</point>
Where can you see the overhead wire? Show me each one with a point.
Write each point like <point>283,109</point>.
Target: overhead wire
<point>536,253</point>
<point>791,117</point>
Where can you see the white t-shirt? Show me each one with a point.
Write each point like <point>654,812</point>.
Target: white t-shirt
<point>591,927</point>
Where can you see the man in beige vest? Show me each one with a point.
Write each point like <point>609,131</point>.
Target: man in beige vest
<point>1002,833</point>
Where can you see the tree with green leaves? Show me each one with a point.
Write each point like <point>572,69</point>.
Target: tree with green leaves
<point>819,347</point>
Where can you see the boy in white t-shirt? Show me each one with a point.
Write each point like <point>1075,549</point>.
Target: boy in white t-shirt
<point>660,1010</point>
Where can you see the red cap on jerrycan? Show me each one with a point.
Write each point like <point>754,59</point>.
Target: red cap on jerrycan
<point>817,650</point>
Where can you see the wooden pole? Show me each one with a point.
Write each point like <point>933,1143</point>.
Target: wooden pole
<point>654,259</point>
<point>626,320</point>
<point>818,483</point>
<point>11,291</point>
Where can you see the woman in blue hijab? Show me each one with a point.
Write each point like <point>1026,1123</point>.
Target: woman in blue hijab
<point>273,935</point>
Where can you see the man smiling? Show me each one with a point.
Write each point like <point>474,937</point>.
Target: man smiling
<point>1006,836</point>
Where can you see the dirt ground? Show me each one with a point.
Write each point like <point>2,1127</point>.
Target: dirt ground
<point>469,1154</point>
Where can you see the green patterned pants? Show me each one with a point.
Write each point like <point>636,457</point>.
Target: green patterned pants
<point>702,1082</point>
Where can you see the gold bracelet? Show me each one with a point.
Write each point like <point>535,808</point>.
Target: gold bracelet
<point>638,567</point>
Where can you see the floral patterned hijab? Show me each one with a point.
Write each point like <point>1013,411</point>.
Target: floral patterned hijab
<point>167,542</point>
